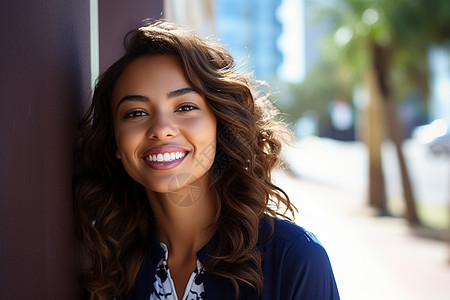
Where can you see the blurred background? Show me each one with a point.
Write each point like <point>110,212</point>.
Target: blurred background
<point>365,87</point>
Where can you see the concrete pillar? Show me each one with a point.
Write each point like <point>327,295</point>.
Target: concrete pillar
<point>116,18</point>
<point>44,77</point>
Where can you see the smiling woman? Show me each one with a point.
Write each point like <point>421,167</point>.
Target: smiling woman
<point>173,190</point>
<point>158,114</point>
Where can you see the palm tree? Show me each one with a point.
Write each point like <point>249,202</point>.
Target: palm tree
<point>383,44</point>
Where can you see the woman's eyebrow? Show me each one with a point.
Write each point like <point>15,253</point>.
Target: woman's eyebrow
<point>138,98</point>
<point>172,94</point>
<point>180,92</point>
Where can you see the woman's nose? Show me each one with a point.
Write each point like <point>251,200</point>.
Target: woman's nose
<point>162,127</point>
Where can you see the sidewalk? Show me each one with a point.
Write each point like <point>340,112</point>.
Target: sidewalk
<point>373,258</point>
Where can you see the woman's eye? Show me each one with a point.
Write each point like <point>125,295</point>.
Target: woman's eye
<point>187,107</point>
<point>134,114</point>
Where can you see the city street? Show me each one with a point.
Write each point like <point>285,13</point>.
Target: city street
<point>374,258</point>
<point>345,165</point>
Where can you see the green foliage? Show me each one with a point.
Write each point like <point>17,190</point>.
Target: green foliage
<point>315,92</point>
<point>404,28</point>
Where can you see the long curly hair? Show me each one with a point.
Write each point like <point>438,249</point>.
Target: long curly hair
<point>112,210</point>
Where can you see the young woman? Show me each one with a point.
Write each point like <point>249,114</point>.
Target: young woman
<point>173,190</point>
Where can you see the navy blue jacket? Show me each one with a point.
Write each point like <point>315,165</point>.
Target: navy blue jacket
<point>295,266</point>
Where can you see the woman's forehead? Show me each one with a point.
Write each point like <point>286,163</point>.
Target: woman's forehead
<point>150,74</point>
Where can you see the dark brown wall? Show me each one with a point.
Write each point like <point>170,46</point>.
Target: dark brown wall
<point>45,74</point>
<point>116,18</point>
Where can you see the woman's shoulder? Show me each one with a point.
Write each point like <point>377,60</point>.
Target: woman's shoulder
<point>287,234</point>
<point>296,265</point>
<point>296,250</point>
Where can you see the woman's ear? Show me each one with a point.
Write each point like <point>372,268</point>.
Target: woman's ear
<point>118,155</point>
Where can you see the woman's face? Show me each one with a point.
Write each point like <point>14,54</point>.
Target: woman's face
<point>165,131</point>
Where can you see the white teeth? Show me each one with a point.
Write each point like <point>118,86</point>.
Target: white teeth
<point>165,157</point>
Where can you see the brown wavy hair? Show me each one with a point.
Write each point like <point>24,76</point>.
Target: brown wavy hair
<point>112,210</point>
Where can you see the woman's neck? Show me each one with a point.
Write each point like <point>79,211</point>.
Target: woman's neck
<point>184,218</point>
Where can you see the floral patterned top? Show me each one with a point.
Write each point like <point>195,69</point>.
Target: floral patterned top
<point>164,288</point>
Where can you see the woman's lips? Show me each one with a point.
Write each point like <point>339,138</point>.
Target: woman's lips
<point>164,157</point>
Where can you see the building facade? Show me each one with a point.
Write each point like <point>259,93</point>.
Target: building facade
<point>250,30</point>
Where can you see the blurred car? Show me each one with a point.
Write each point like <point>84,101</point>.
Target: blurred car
<point>436,136</point>
<point>440,145</point>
